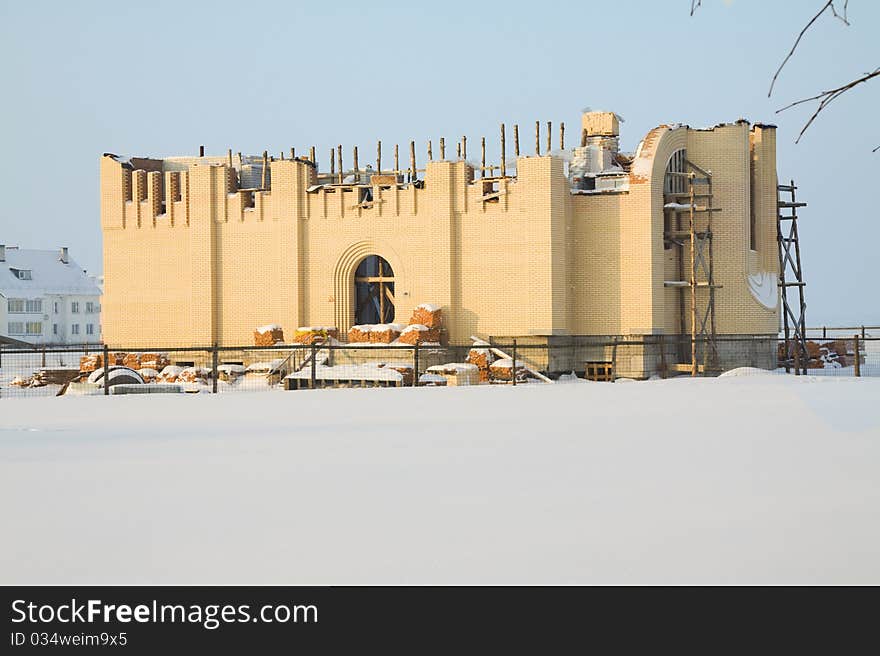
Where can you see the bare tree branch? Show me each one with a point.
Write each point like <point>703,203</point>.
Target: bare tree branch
<point>827,5</point>
<point>827,97</point>
<point>695,4</point>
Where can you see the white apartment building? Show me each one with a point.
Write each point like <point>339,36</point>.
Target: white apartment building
<point>46,298</point>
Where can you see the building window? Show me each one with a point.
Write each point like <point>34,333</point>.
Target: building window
<point>90,307</point>
<point>16,328</point>
<point>54,328</point>
<point>34,306</point>
<point>74,307</point>
<point>90,329</point>
<point>374,291</point>
<point>74,329</point>
<point>15,305</point>
<point>55,307</point>
<point>21,274</point>
<point>675,188</point>
<point>34,328</point>
<point>675,181</point>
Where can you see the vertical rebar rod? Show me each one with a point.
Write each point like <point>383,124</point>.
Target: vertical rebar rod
<point>516,139</point>
<point>412,160</point>
<point>537,137</point>
<point>503,154</point>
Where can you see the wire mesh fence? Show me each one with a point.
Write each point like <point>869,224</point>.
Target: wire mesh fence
<point>57,371</point>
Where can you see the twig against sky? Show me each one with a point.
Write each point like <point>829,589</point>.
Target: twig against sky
<point>826,6</point>
<point>827,97</point>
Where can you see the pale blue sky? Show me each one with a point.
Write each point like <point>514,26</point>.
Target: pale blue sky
<point>160,78</point>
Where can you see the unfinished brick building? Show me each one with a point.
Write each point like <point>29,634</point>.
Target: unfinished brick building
<point>569,247</point>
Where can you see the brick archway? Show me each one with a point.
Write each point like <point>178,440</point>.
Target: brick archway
<point>344,277</point>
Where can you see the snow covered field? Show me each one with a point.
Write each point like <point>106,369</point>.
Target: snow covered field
<point>753,479</point>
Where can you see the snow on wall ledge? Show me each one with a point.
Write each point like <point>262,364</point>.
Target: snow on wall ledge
<point>764,289</point>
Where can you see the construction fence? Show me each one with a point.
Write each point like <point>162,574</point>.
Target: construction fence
<point>55,371</point>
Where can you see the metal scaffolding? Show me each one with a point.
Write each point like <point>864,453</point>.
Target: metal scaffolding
<point>791,276</point>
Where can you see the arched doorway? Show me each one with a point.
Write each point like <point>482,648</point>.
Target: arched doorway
<point>373,291</point>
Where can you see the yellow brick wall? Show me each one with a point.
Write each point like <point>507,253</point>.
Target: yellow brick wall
<point>538,261</point>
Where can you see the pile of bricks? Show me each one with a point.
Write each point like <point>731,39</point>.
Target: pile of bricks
<point>483,359</point>
<point>405,370</point>
<point>149,374</point>
<point>313,334</point>
<point>89,363</point>
<point>836,353</point>
<point>268,335</point>
<point>502,370</point>
<point>380,333</point>
<point>157,361</point>
<point>427,315</point>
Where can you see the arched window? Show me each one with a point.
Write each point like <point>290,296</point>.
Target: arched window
<point>373,291</point>
<point>676,184</point>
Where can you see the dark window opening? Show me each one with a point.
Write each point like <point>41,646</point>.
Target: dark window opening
<point>374,291</point>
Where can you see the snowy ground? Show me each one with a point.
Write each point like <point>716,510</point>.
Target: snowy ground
<point>754,479</point>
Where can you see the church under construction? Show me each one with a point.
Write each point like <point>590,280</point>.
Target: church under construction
<point>671,248</point>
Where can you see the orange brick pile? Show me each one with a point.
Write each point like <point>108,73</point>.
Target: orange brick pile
<point>359,334</point>
<point>403,369</point>
<point>419,334</point>
<point>148,374</point>
<point>132,361</point>
<point>821,355</point>
<point>268,335</point>
<point>385,333</point>
<point>427,315</point>
<point>192,375</point>
<point>380,333</point>
<point>483,358</point>
<point>169,374</point>
<point>311,335</point>
<point>88,363</point>
<point>503,370</point>
<point>157,361</point>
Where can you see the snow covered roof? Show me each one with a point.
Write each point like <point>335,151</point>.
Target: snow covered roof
<point>48,274</point>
